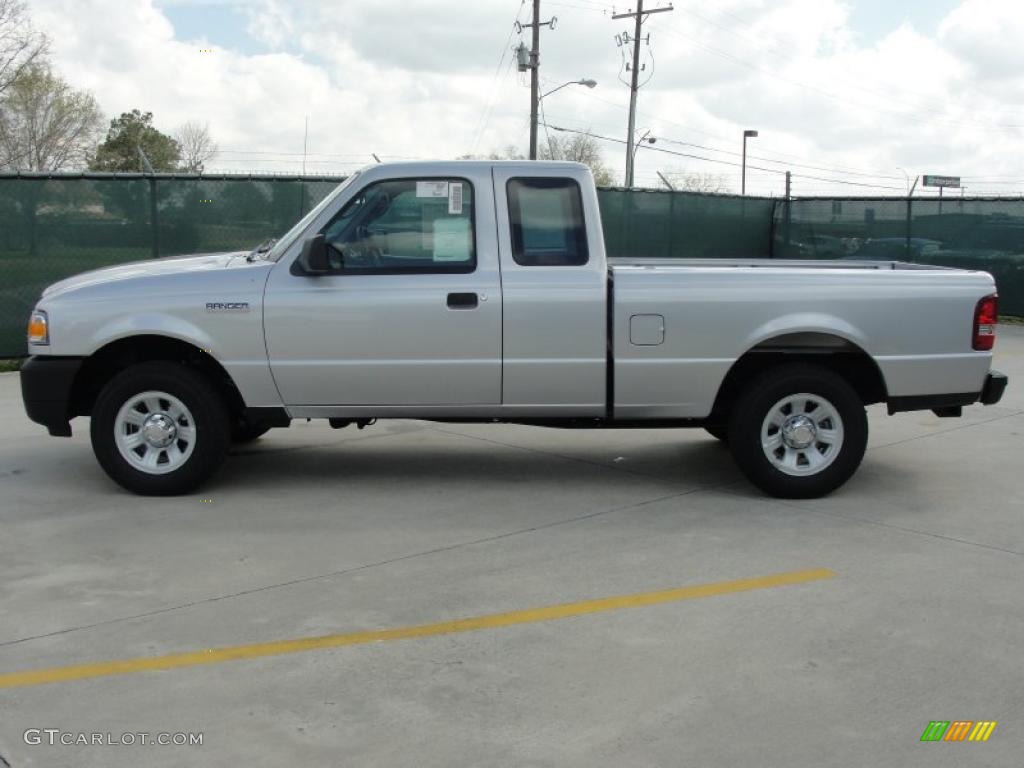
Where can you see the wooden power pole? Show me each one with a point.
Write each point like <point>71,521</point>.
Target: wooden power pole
<point>638,16</point>
<point>534,66</point>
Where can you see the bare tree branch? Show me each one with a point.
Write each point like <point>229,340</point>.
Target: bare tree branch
<point>197,146</point>
<point>21,45</point>
<point>707,183</point>
<point>579,148</point>
<point>45,124</point>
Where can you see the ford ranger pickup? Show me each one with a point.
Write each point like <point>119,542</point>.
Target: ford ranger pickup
<point>480,291</point>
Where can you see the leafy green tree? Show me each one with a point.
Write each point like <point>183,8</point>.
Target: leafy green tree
<point>128,133</point>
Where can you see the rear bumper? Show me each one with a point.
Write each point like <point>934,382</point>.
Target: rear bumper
<point>951,404</point>
<point>995,385</point>
<point>46,391</point>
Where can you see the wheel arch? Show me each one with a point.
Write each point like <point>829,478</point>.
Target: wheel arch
<point>112,358</point>
<point>829,349</point>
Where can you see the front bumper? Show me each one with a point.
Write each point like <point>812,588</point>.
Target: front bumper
<point>952,404</point>
<point>46,384</point>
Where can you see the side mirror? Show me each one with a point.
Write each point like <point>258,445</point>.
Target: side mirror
<point>313,259</point>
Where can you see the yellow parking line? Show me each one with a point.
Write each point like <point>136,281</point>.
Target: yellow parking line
<point>490,621</point>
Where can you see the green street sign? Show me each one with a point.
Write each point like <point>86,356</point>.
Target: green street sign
<point>940,181</point>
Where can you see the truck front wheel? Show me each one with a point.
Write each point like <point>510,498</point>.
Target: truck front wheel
<point>160,429</point>
<point>798,431</point>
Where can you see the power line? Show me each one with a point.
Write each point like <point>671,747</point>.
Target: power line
<point>760,168</point>
<point>786,162</point>
<point>726,162</point>
<point>639,16</point>
<point>761,156</point>
<point>492,96</point>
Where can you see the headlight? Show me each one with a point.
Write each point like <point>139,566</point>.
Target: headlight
<point>38,328</point>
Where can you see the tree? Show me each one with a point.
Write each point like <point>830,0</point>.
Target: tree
<point>128,133</point>
<point>510,152</point>
<point>705,183</point>
<point>579,148</point>
<point>45,124</point>
<point>21,45</point>
<point>197,146</point>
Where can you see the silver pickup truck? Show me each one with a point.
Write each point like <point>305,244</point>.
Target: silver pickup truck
<point>480,291</point>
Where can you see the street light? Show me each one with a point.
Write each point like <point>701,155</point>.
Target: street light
<point>540,101</point>
<point>747,134</point>
<point>636,146</point>
<point>588,83</point>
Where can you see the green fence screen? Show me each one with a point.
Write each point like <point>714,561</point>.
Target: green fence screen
<point>55,226</point>
<point>971,233</point>
<point>652,224</point>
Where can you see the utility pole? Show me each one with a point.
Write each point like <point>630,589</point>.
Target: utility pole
<point>305,143</point>
<point>788,220</point>
<point>638,16</point>
<point>534,78</point>
<point>534,66</point>
<point>743,178</point>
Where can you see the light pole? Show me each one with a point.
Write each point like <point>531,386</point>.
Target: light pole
<point>910,187</point>
<point>540,100</point>
<point>636,146</point>
<point>747,134</point>
<point>588,83</point>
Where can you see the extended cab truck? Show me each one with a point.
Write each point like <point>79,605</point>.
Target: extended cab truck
<point>480,291</point>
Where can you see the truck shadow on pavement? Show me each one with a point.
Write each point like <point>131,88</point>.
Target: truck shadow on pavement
<point>373,465</point>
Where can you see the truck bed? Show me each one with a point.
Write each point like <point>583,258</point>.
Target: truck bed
<point>851,264</point>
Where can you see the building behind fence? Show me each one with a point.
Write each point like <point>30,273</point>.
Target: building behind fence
<point>55,226</point>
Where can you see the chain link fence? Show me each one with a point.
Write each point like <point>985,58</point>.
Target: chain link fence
<point>970,233</point>
<point>53,226</point>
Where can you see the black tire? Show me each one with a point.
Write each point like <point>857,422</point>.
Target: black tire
<point>839,461</point>
<point>208,411</point>
<point>247,432</point>
<point>718,431</point>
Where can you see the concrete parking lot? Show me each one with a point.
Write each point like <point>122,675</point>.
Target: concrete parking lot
<point>906,605</point>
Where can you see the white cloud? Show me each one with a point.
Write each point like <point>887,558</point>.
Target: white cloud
<point>415,78</point>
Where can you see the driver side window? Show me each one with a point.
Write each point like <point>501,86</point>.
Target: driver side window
<point>405,226</point>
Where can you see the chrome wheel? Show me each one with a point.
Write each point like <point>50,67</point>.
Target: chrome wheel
<point>155,432</point>
<point>802,434</point>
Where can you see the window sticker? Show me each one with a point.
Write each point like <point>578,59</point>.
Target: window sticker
<point>451,240</point>
<point>431,189</point>
<point>455,198</point>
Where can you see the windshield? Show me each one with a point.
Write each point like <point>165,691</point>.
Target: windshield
<point>295,232</point>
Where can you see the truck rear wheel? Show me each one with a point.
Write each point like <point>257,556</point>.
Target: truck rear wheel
<point>798,431</point>
<point>160,429</point>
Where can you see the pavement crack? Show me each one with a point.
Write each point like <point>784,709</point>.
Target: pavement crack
<point>364,567</point>
<point>948,430</point>
<point>903,528</point>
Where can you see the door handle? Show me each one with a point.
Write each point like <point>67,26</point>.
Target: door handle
<point>463,301</point>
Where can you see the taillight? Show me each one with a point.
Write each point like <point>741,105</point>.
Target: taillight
<point>986,314</point>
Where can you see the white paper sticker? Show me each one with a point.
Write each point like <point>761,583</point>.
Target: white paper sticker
<point>455,198</point>
<point>431,189</point>
<point>451,240</point>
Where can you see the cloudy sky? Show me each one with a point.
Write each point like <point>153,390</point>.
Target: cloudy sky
<point>851,96</point>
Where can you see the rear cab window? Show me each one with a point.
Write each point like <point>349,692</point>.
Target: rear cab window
<point>546,218</point>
